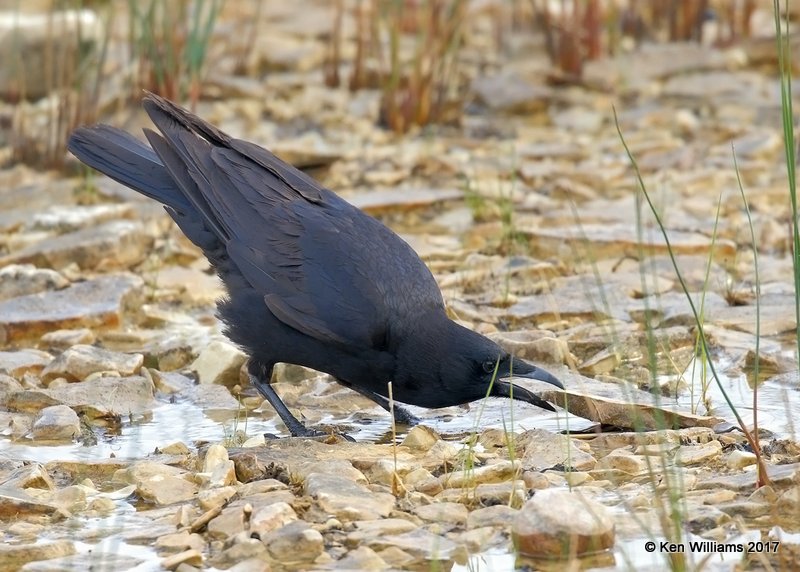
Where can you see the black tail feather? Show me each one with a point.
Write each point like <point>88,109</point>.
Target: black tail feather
<point>128,161</point>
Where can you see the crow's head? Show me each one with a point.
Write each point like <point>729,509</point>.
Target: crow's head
<point>456,365</point>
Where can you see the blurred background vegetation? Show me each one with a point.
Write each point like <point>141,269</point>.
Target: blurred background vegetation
<point>71,62</point>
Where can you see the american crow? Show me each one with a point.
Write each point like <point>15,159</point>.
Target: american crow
<point>310,279</point>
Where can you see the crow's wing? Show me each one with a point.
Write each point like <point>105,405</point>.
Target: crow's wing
<point>323,267</point>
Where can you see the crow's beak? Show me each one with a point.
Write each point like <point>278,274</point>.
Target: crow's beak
<point>521,368</point>
<point>503,388</point>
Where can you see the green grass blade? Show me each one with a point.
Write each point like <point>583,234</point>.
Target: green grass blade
<point>787,119</point>
<point>678,273</point>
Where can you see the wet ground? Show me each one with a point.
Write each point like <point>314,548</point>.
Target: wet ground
<point>116,385</point>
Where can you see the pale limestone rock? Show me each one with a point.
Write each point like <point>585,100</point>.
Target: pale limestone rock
<point>556,523</point>
<point>56,423</point>
<point>219,363</point>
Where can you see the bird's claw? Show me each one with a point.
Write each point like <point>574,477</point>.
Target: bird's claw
<point>316,434</point>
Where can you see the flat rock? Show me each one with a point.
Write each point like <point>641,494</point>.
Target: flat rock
<point>26,476</point>
<point>511,93</point>
<point>194,285</point>
<point>215,456</point>
<point>421,544</point>
<point>64,339</point>
<point>8,385</point>
<point>421,438</point>
<point>191,557</point>
<point>17,363</point>
<point>717,84</point>
<point>699,454</point>
<point>543,450</point>
<point>179,541</point>
<point>362,558</point>
<point>98,397</point>
<point>345,499</point>
<point>396,558</point>
<point>115,244</point>
<point>702,517</point>
<point>216,497</point>
<point>533,345</point>
<point>15,503</point>
<point>164,490</point>
<point>624,460</point>
<point>558,522</point>
<point>284,52</point>
<point>61,219</point>
<point>445,512</point>
<point>621,406</point>
<point>673,309</point>
<point>79,362</point>
<point>619,240</point>
<point>147,535</point>
<point>366,530</point>
<point>596,302</point>
<point>394,200</point>
<point>96,470</point>
<point>497,515</point>
<point>295,542</point>
<point>14,556</point>
<point>789,501</point>
<point>230,522</point>
<point>774,319</point>
<point>298,458</point>
<point>23,279</point>
<point>271,517</point>
<point>212,397</point>
<point>738,459</point>
<point>512,493</point>
<point>651,62</point>
<point>95,560</point>
<point>248,555</point>
<point>746,509</point>
<point>780,475</point>
<point>96,303</point>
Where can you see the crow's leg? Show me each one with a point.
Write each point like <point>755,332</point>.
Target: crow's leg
<point>401,414</point>
<point>260,375</point>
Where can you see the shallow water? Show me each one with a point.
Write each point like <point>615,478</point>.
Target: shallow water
<point>778,401</point>
<point>778,407</point>
<point>186,422</point>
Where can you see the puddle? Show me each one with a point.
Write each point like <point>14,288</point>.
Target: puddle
<point>188,423</point>
<point>778,403</point>
<point>170,422</point>
<point>497,413</point>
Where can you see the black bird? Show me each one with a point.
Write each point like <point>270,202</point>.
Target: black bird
<point>310,279</point>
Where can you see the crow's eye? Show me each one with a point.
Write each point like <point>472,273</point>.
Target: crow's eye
<point>489,365</point>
